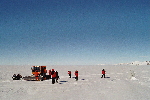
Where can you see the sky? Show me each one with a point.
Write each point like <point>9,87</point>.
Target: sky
<point>74,32</point>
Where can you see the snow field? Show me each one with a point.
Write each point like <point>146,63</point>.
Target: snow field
<point>118,84</point>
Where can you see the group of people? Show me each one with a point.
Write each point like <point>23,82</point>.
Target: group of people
<point>76,74</point>
<point>53,75</point>
<point>16,77</point>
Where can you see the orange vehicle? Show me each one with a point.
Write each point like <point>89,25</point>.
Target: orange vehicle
<point>41,71</point>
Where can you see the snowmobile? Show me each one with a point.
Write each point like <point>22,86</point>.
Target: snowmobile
<point>16,77</point>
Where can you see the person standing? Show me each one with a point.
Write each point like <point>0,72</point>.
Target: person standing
<point>57,76</point>
<point>53,76</point>
<point>76,74</point>
<point>69,72</point>
<point>103,73</point>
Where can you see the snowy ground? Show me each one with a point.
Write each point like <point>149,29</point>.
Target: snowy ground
<point>117,86</point>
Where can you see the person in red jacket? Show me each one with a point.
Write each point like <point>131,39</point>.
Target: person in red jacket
<point>69,72</point>
<point>76,74</point>
<point>53,76</point>
<point>103,73</point>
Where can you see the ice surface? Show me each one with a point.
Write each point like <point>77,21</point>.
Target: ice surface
<point>119,84</point>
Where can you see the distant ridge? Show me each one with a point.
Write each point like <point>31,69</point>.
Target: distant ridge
<point>136,63</point>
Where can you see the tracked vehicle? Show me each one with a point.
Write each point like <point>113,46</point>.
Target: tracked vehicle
<point>41,71</point>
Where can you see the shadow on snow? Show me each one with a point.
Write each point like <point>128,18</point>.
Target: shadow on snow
<point>63,81</point>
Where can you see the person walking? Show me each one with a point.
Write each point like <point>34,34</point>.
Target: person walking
<point>76,74</point>
<point>103,73</point>
<point>69,72</point>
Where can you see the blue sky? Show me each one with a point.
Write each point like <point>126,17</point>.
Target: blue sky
<point>74,32</point>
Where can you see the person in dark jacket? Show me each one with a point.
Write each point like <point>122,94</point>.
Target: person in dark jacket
<point>76,74</point>
<point>57,76</point>
<point>103,73</point>
<point>69,72</point>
